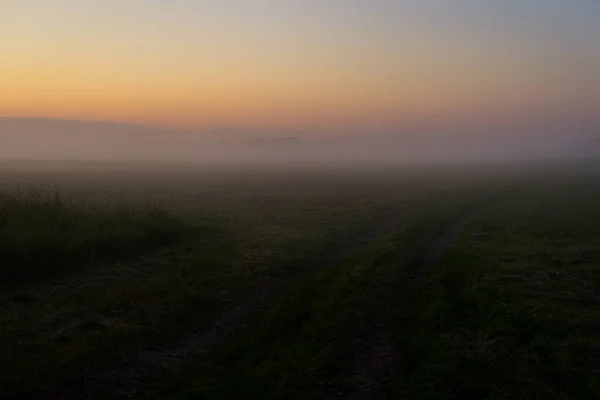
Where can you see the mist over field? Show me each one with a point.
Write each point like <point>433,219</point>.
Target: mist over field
<point>291,199</point>
<point>52,139</point>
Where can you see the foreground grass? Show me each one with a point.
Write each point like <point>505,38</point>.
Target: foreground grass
<point>52,331</point>
<point>501,318</point>
<point>73,277</point>
<point>513,310</point>
<point>43,236</point>
<point>305,345</point>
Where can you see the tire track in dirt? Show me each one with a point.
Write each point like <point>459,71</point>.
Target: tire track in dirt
<point>373,369</point>
<point>127,376</point>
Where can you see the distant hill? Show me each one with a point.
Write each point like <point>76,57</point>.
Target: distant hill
<point>31,138</point>
<point>283,142</point>
<point>56,138</point>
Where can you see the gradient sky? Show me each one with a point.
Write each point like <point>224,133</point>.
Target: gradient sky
<point>311,66</point>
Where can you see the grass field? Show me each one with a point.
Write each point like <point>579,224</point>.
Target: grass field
<point>243,282</point>
<point>43,236</point>
<point>512,312</point>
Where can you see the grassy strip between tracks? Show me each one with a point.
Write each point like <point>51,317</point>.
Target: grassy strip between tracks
<point>302,346</point>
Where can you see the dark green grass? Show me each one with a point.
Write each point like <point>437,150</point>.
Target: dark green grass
<point>305,344</point>
<point>298,347</point>
<point>513,311</point>
<point>51,331</point>
<point>43,236</point>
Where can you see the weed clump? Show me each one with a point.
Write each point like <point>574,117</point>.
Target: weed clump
<point>42,235</point>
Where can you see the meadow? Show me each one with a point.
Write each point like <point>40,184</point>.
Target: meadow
<point>286,281</point>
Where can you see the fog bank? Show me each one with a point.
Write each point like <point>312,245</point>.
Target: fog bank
<point>48,139</point>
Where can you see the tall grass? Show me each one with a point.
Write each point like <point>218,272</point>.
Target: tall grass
<point>42,235</point>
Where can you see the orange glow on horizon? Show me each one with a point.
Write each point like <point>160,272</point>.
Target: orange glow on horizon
<point>304,69</point>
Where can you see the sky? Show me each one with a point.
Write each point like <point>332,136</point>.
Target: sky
<point>311,67</point>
